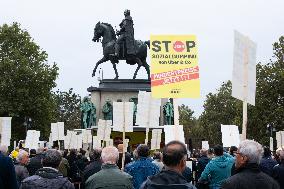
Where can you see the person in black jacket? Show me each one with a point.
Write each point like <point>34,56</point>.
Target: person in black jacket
<point>174,159</point>
<point>278,170</point>
<point>48,177</point>
<point>202,162</point>
<point>35,162</point>
<point>7,171</point>
<point>95,165</point>
<point>267,162</point>
<point>248,174</point>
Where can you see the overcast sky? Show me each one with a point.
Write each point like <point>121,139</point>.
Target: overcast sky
<point>64,29</point>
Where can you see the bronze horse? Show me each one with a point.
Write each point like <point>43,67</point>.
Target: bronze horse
<point>106,31</point>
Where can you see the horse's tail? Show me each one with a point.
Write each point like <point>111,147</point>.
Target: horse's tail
<point>147,43</point>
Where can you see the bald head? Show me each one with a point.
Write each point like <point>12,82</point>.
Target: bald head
<point>173,153</point>
<point>110,155</point>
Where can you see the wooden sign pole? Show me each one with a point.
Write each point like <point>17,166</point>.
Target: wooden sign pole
<point>123,137</point>
<point>245,92</point>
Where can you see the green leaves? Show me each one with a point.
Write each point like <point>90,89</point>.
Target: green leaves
<point>26,80</point>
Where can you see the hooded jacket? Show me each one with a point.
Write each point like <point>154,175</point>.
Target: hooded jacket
<point>217,170</point>
<point>166,179</point>
<point>47,178</point>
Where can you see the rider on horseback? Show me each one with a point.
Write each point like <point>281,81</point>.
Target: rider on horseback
<point>126,33</point>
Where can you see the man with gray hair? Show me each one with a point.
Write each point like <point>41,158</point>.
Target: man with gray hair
<point>20,166</point>
<point>248,174</point>
<point>110,176</point>
<point>48,176</point>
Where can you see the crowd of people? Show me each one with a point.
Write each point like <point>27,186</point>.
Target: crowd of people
<point>249,166</point>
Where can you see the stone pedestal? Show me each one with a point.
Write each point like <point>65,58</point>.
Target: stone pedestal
<point>119,90</point>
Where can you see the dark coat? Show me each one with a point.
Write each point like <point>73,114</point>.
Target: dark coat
<point>91,169</point>
<point>250,177</point>
<point>126,161</point>
<point>202,162</point>
<point>167,179</point>
<point>278,174</point>
<point>7,173</point>
<point>47,178</point>
<point>266,165</point>
<point>21,172</point>
<point>35,164</point>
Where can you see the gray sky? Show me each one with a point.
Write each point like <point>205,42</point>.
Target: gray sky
<point>64,29</point>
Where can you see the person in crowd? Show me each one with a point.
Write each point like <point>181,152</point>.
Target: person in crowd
<point>64,166</point>
<point>15,153</point>
<point>74,173</point>
<point>127,156</point>
<point>141,168</point>
<point>210,153</point>
<point>20,166</point>
<point>7,170</point>
<point>218,169</point>
<point>267,162</point>
<point>95,165</point>
<point>35,162</point>
<point>203,160</point>
<point>187,174</point>
<point>174,159</point>
<point>110,176</point>
<point>32,153</point>
<point>157,157</point>
<point>248,175</point>
<point>135,155</point>
<point>233,150</point>
<point>278,170</point>
<point>82,160</point>
<point>48,176</point>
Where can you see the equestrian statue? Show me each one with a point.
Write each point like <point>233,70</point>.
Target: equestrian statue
<point>125,47</point>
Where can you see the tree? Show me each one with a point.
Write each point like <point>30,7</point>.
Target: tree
<point>220,108</point>
<point>68,109</point>
<point>26,81</point>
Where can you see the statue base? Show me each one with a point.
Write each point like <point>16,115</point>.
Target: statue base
<point>117,90</point>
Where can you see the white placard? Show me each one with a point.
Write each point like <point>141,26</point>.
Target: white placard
<point>69,140</point>
<point>230,135</point>
<point>271,144</point>
<point>104,129</point>
<point>123,115</point>
<point>205,145</point>
<point>174,132</point>
<point>244,69</point>
<point>32,139</point>
<point>57,131</point>
<point>156,139</point>
<point>5,130</point>
<point>280,139</point>
<point>109,142</point>
<point>148,110</point>
<point>79,141</point>
<point>96,142</point>
<point>87,136</point>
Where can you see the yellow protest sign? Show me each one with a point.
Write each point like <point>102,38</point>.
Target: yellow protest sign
<point>174,66</point>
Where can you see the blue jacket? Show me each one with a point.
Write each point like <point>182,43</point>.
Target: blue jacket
<point>140,170</point>
<point>266,165</point>
<point>7,173</point>
<point>217,170</point>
